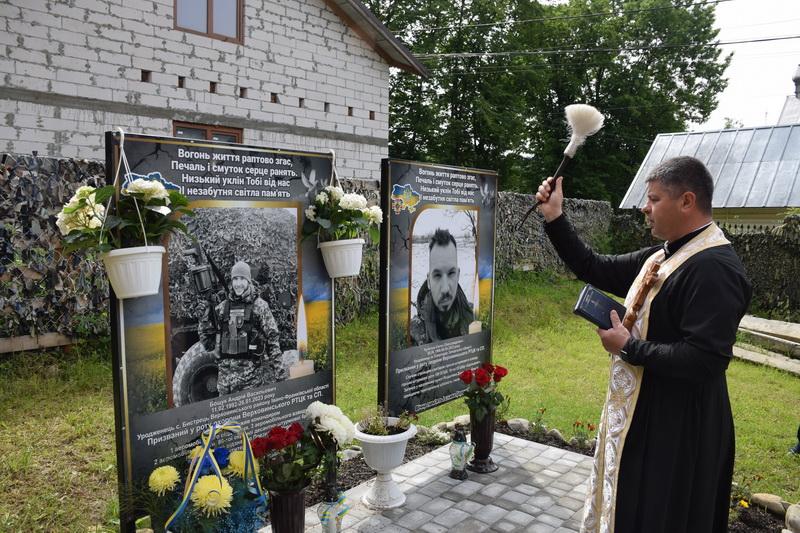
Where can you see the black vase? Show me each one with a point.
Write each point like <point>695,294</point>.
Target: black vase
<point>482,434</point>
<point>287,511</point>
<point>331,492</point>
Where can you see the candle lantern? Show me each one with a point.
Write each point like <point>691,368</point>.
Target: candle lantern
<point>460,453</point>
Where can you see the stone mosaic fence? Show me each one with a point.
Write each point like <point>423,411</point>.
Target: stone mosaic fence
<point>46,299</point>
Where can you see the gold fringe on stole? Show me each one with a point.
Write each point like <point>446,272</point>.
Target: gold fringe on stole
<point>623,392</point>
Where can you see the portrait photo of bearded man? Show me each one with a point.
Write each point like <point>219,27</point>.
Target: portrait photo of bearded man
<point>443,311</point>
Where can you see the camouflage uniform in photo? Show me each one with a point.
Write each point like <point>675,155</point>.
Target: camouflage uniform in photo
<point>249,352</point>
<point>431,325</point>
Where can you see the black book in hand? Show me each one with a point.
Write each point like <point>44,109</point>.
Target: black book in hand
<point>596,307</point>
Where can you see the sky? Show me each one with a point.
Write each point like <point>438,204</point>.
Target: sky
<point>760,74</point>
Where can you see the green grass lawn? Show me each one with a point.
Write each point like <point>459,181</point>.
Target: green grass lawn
<point>57,457</point>
<point>555,361</point>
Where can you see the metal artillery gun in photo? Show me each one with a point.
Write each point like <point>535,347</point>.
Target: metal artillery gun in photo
<point>196,370</point>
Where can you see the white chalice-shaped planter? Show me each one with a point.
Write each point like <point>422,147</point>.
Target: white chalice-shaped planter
<point>383,453</point>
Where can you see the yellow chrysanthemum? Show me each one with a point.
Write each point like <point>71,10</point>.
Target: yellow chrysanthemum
<point>743,503</point>
<point>163,479</point>
<point>236,463</point>
<point>212,495</point>
<point>196,452</point>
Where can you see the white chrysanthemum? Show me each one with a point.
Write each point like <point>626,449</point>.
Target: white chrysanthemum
<point>322,198</point>
<point>353,201</point>
<point>373,214</point>
<point>311,213</point>
<point>331,419</point>
<point>332,426</point>
<point>335,192</point>
<point>149,189</point>
<point>316,410</point>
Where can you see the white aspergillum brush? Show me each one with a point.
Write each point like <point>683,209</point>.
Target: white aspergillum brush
<point>583,121</point>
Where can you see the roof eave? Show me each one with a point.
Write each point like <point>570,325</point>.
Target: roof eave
<point>356,15</point>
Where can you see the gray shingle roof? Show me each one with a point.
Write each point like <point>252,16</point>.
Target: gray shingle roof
<point>751,167</point>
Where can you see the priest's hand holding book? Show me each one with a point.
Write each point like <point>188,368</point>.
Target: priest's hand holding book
<point>604,312</point>
<point>614,339</point>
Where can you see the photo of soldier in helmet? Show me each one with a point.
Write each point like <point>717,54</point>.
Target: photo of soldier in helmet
<point>246,336</point>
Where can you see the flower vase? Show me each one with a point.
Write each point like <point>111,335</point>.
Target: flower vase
<point>135,271</point>
<point>482,434</point>
<point>332,509</point>
<point>331,515</point>
<point>287,511</point>
<point>343,257</point>
<point>331,464</point>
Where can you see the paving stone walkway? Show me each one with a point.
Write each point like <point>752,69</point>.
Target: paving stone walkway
<point>537,489</point>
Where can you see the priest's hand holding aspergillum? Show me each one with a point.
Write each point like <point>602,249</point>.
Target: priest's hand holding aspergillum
<point>551,200</point>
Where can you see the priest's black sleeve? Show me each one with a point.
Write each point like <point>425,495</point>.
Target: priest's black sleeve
<point>611,273</point>
<point>706,301</point>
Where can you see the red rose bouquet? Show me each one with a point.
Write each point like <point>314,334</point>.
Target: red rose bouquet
<point>482,395</point>
<point>287,456</point>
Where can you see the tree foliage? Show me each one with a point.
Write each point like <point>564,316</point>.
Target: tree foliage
<point>650,67</point>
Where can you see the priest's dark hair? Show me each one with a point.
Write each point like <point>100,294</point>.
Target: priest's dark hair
<point>686,174</point>
<point>442,237</point>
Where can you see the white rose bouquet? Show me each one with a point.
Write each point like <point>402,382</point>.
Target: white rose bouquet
<point>140,213</point>
<point>337,215</point>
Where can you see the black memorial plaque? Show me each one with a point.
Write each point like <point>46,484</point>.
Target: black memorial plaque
<point>172,379</point>
<point>437,281</point>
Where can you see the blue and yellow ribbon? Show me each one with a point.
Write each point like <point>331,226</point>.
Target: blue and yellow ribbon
<point>328,508</point>
<point>207,438</point>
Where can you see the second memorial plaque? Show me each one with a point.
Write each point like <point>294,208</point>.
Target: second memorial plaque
<point>437,281</point>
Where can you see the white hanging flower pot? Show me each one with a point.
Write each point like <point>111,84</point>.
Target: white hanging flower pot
<point>343,257</point>
<point>383,453</point>
<point>135,271</point>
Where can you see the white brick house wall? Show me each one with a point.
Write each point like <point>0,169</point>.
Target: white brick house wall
<point>72,69</point>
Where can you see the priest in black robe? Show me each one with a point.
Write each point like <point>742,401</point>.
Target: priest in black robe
<point>667,462</point>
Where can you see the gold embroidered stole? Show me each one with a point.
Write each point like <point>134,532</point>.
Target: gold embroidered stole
<point>623,391</point>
